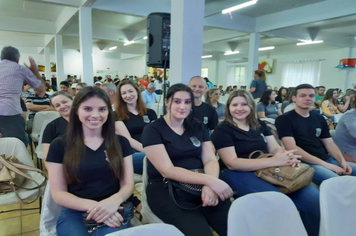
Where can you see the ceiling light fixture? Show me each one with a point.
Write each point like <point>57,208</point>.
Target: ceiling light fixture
<point>128,43</point>
<point>266,48</point>
<point>231,53</point>
<point>207,56</point>
<point>237,7</point>
<point>113,48</point>
<point>145,37</point>
<point>309,42</point>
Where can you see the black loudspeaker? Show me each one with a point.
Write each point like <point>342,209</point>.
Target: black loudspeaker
<point>159,39</point>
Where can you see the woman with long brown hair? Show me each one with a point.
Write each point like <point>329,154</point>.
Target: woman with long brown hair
<point>90,168</point>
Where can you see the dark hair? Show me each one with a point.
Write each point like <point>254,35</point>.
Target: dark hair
<point>280,94</point>
<point>329,94</point>
<point>291,94</point>
<point>251,118</point>
<point>319,87</point>
<point>65,83</point>
<point>120,105</point>
<point>206,79</point>
<point>159,79</point>
<point>187,123</point>
<point>303,86</point>
<point>265,97</point>
<point>261,74</point>
<point>75,146</point>
<point>10,53</point>
<point>57,94</point>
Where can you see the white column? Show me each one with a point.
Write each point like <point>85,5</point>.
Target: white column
<point>58,42</point>
<point>253,54</point>
<point>47,63</point>
<point>86,44</point>
<point>187,20</point>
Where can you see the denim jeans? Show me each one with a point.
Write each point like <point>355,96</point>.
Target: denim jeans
<point>321,173</point>
<point>306,199</point>
<point>137,159</point>
<point>70,222</point>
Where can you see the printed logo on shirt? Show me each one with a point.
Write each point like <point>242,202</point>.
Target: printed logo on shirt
<point>195,141</point>
<point>264,138</point>
<point>146,119</point>
<point>205,121</point>
<point>318,132</point>
<point>106,154</point>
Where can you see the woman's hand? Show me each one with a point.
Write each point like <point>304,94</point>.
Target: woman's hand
<point>104,210</point>
<point>221,188</point>
<point>114,221</point>
<point>209,197</point>
<point>286,158</point>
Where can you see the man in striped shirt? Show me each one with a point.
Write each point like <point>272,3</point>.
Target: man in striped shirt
<point>12,77</point>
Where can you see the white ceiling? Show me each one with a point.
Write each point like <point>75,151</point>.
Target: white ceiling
<point>282,23</point>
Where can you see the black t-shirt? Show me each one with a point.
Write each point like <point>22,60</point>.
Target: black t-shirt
<point>54,129</point>
<point>245,142</point>
<point>306,132</point>
<point>183,150</point>
<point>97,180</point>
<point>206,114</point>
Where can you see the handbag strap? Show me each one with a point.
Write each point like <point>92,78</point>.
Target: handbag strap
<point>253,153</point>
<point>171,194</point>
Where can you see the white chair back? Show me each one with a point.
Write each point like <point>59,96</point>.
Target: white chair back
<point>338,206</point>
<point>39,148</point>
<point>265,213</point>
<point>149,230</point>
<point>146,210</point>
<point>40,117</point>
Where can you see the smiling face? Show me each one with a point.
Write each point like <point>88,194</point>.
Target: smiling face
<point>62,104</point>
<point>64,88</point>
<point>180,105</point>
<point>239,109</point>
<point>198,85</point>
<point>93,113</point>
<point>128,94</point>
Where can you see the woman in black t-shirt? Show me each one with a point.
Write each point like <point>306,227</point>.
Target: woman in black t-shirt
<point>88,173</point>
<point>174,145</point>
<point>239,135</point>
<point>133,116</point>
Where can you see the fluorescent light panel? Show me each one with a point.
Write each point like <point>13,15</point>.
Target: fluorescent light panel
<point>145,37</point>
<point>207,56</point>
<point>113,48</point>
<point>237,7</point>
<point>309,42</point>
<point>231,53</point>
<point>266,48</point>
<point>128,43</point>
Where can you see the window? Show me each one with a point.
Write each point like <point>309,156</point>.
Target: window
<point>204,72</point>
<point>236,75</point>
<point>298,72</point>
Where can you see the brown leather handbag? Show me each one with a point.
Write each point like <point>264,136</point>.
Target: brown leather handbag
<point>13,177</point>
<point>286,178</point>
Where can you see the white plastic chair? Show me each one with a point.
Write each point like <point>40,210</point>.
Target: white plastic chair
<point>338,206</point>
<point>264,213</point>
<point>39,118</point>
<point>146,210</point>
<point>149,230</point>
<point>39,148</point>
<point>13,146</point>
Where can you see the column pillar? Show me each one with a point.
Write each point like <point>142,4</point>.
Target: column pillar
<point>47,60</point>
<point>86,44</point>
<point>58,42</point>
<point>253,55</point>
<point>187,20</point>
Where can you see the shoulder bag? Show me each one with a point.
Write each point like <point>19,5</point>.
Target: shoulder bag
<point>286,178</point>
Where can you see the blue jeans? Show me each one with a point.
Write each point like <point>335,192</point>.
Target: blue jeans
<point>70,222</point>
<point>321,173</point>
<point>306,199</point>
<point>137,159</point>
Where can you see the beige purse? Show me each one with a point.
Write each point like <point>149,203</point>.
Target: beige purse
<point>286,178</point>
<point>12,176</point>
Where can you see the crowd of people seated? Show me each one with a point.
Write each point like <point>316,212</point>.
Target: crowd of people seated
<point>105,131</point>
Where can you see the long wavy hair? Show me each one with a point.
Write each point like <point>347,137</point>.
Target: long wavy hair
<point>120,105</point>
<point>75,147</point>
<point>330,94</point>
<point>251,118</point>
<point>265,98</point>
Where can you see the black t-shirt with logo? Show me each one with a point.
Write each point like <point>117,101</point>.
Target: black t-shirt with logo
<point>306,132</point>
<point>206,114</point>
<point>244,142</point>
<point>183,150</point>
<point>97,180</point>
<point>137,123</point>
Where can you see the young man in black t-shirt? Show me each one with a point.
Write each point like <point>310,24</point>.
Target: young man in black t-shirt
<point>202,111</point>
<point>304,131</point>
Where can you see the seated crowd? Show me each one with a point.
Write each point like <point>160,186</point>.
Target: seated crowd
<point>104,132</point>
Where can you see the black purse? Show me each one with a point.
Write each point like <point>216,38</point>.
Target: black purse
<point>127,213</point>
<point>174,188</point>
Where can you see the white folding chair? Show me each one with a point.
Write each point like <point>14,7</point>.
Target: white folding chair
<point>39,148</point>
<point>146,210</point>
<point>264,213</point>
<point>39,118</point>
<point>149,230</point>
<point>338,206</point>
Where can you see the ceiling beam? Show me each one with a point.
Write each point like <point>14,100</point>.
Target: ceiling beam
<point>233,22</point>
<point>65,19</point>
<point>307,14</point>
<point>27,25</point>
<point>69,3</point>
